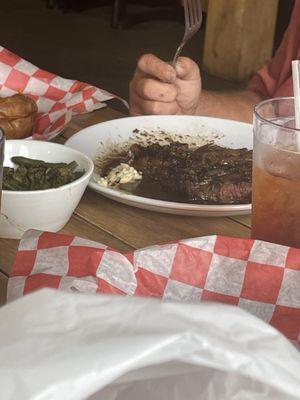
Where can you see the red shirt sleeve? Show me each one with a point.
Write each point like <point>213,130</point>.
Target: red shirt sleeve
<point>275,78</point>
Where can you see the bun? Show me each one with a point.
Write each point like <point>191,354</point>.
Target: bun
<point>17,116</point>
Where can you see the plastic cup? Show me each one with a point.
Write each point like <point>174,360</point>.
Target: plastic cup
<point>276,173</point>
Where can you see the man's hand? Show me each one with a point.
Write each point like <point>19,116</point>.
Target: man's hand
<point>158,88</point>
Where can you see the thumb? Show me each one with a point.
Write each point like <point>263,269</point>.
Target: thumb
<point>187,69</point>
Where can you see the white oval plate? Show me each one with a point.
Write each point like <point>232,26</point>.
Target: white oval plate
<point>96,138</point>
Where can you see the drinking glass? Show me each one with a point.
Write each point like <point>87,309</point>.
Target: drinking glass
<point>276,173</point>
<point>1,161</point>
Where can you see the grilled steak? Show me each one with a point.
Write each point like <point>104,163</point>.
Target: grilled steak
<point>209,174</point>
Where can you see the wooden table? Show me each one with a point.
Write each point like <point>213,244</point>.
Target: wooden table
<point>120,226</point>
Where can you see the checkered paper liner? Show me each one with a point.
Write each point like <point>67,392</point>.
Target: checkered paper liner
<point>260,277</point>
<point>58,99</point>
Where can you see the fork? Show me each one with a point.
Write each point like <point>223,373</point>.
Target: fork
<point>193,20</point>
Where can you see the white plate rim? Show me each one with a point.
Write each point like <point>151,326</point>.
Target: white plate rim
<point>169,204</point>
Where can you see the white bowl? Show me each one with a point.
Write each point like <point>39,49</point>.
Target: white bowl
<point>47,210</point>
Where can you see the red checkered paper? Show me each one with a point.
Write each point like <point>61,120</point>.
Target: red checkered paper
<point>58,99</point>
<point>260,277</point>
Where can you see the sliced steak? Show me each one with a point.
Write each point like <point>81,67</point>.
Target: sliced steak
<point>209,174</point>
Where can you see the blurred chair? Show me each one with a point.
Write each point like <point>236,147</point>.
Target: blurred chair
<point>121,18</point>
<point>52,3</point>
<point>159,9</point>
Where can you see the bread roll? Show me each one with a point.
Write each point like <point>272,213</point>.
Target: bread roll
<point>17,116</point>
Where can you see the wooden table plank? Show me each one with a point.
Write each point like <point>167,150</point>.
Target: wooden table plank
<point>78,227</point>
<point>139,228</point>
<point>83,120</point>
<point>3,286</point>
<point>8,249</point>
<point>243,219</point>
<point>75,226</point>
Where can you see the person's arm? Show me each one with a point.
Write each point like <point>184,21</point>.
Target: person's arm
<point>237,105</point>
<point>158,88</point>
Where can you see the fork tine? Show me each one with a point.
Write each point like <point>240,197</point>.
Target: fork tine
<point>191,12</point>
<point>193,19</point>
<point>190,7</point>
<point>196,15</point>
<point>193,7</point>
<point>186,12</point>
<point>199,11</point>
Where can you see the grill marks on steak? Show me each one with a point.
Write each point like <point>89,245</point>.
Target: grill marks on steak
<point>209,174</point>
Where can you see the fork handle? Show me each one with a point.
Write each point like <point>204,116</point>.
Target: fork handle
<point>177,54</point>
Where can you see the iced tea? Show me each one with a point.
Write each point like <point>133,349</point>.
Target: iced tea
<point>276,208</point>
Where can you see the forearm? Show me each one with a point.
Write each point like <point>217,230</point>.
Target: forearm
<point>231,105</point>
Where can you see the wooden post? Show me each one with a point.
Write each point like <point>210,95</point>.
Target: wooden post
<point>239,37</point>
